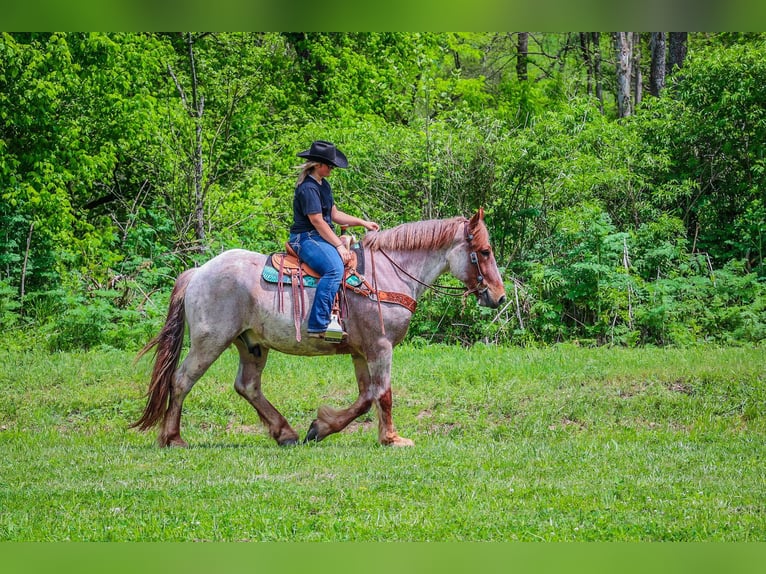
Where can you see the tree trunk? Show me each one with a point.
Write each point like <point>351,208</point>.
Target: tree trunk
<point>677,51</point>
<point>24,266</point>
<point>522,51</point>
<point>657,73</point>
<point>586,57</point>
<point>196,111</point>
<point>624,51</point>
<point>638,79</point>
<point>596,42</point>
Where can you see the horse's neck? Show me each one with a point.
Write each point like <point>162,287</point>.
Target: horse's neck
<point>424,265</point>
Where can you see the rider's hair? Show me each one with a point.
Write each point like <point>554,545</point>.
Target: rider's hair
<point>304,170</point>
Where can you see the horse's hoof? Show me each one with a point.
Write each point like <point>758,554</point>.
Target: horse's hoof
<point>175,443</point>
<point>399,441</point>
<point>171,440</point>
<point>288,442</point>
<point>313,434</point>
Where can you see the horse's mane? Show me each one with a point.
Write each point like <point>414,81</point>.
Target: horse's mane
<point>417,235</point>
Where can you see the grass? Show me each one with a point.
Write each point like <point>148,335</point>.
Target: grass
<point>564,443</point>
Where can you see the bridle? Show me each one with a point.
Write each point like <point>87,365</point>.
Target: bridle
<point>474,259</point>
<point>480,288</point>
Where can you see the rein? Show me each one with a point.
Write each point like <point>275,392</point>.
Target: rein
<point>441,289</point>
<point>448,290</point>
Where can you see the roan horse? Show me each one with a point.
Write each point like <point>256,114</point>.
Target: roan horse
<point>226,301</point>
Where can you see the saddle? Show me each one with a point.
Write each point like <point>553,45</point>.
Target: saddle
<point>289,261</point>
<point>287,269</point>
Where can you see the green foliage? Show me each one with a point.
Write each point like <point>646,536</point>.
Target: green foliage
<point>98,319</point>
<point>715,117</point>
<point>453,320</point>
<point>640,231</point>
<point>9,306</point>
<point>357,74</point>
<point>80,108</point>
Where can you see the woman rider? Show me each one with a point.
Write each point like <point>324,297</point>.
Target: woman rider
<point>312,234</point>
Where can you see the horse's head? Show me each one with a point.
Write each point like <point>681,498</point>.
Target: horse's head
<point>472,261</point>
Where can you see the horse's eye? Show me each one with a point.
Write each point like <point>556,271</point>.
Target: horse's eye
<point>486,252</point>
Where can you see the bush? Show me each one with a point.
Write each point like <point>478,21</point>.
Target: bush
<point>9,305</point>
<point>95,319</point>
<point>454,320</point>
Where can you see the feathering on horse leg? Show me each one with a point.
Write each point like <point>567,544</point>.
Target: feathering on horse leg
<point>170,433</point>
<point>387,434</point>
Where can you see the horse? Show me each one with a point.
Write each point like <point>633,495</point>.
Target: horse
<point>226,301</point>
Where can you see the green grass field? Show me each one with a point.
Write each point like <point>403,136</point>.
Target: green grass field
<point>564,443</point>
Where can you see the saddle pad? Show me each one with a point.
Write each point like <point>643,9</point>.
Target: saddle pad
<point>271,275</point>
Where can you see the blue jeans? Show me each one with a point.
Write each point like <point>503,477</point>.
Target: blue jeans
<point>323,258</point>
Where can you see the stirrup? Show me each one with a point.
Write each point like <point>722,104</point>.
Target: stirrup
<point>334,332</point>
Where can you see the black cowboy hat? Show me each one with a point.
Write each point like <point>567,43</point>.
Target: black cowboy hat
<point>325,152</point>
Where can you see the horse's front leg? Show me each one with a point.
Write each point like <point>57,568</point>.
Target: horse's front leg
<point>377,383</point>
<point>387,434</point>
<point>374,379</point>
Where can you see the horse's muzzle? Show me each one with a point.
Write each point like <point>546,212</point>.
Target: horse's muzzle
<point>487,299</point>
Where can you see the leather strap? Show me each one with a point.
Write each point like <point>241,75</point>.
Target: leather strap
<point>367,290</point>
<point>398,299</point>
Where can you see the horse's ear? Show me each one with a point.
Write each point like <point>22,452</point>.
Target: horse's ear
<point>478,216</point>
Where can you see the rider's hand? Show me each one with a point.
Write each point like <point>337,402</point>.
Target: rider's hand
<point>344,253</point>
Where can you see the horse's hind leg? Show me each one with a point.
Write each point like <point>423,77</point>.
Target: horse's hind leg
<point>248,385</point>
<point>195,364</point>
<point>170,434</point>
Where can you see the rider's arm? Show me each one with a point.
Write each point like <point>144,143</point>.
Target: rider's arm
<point>345,219</point>
<point>329,235</point>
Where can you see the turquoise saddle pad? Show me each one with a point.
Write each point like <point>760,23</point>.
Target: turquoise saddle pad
<point>271,275</point>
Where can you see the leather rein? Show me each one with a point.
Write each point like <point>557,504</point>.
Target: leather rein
<point>480,288</point>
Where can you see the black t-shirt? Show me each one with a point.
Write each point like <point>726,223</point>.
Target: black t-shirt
<point>311,197</point>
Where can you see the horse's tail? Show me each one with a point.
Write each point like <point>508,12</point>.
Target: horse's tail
<point>169,342</point>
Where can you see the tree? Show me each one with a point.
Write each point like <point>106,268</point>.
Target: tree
<point>677,51</point>
<point>591,54</point>
<point>195,107</point>
<point>522,55</point>
<point>637,76</point>
<point>77,110</point>
<point>229,98</point>
<point>623,43</point>
<point>657,68</point>
<point>349,74</point>
<point>712,127</point>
